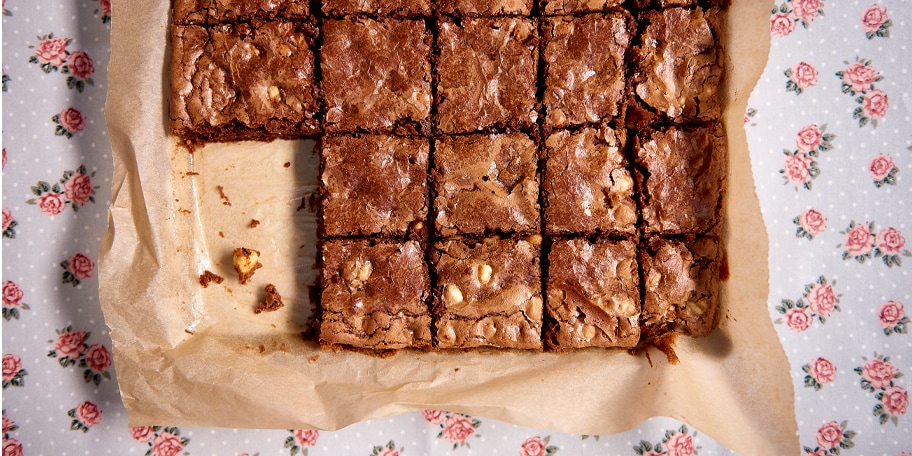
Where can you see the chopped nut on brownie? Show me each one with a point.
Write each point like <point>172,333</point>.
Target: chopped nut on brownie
<point>245,263</point>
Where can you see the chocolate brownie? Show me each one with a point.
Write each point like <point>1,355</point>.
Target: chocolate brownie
<point>558,7</point>
<point>593,294</point>
<point>678,64</point>
<point>235,82</point>
<point>373,184</point>
<point>376,75</point>
<point>375,295</point>
<point>485,7</point>
<point>399,8</point>
<point>681,284</point>
<point>488,293</point>
<point>211,12</point>
<point>486,183</point>
<point>682,173</point>
<point>487,74</point>
<point>584,67</point>
<point>587,186</point>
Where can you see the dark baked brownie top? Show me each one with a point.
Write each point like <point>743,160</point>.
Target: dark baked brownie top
<point>681,283</point>
<point>487,74</point>
<point>584,59</point>
<point>593,293</point>
<point>373,184</point>
<point>684,178</point>
<point>399,8</point>
<point>486,183</point>
<point>578,6</point>
<point>493,277</point>
<point>376,75</point>
<point>362,277</point>
<point>678,68</point>
<point>485,7</point>
<point>243,77</point>
<point>222,11</point>
<point>587,187</point>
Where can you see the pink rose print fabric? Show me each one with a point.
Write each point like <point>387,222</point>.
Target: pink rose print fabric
<point>13,372</point>
<point>784,17</point>
<point>858,80</point>
<point>677,442</point>
<point>50,53</point>
<point>13,301</point>
<point>9,224</point>
<point>819,372</point>
<point>72,349</point>
<point>819,301</point>
<point>456,428</point>
<point>104,10</point>
<point>300,440</point>
<point>880,376</point>
<point>883,170</point>
<point>892,318</point>
<point>386,450</point>
<point>810,223</point>
<point>863,242</point>
<point>537,446</point>
<point>69,122</point>
<point>876,22</point>
<point>77,268</point>
<point>801,165</point>
<point>160,440</point>
<point>800,77</point>
<point>84,416</point>
<point>74,189</point>
<point>831,438</point>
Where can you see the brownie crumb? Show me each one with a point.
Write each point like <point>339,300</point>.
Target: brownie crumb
<point>314,359</point>
<point>208,276</point>
<point>246,262</point>
<point>273,300</point>
<point>254,223</point>
<point>287,164</point>
<point>223,196</point>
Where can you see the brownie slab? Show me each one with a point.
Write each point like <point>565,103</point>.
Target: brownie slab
<point>682,173</point>
<point>559,7</point>
<point>488,294</point>
<point>235,82</point>
<point>681,283</point>
<point>678,64</point>
<point>586,185</point>
<point>211,12</point>
<point>593,294</point>
<point>375,295</point>
<point>584,67</point>
<point>399,8</point>
<point>485,7</point>
<point>373,184</point>
<point>487,74</point>
<point>485,184</point>
<point>376,75</point>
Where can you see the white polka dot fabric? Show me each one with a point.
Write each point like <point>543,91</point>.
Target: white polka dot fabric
<point>831,144</point>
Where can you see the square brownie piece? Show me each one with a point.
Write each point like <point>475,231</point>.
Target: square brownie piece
<point>488,293</point>
<point>678,64</point>
<point>593,294</point>
<point>561,7</point>
<point>235,82</point>
<point>587,186</point>
<point>585,67</point>
<point>210,12</point>
<point>398,8</point>
<point>682,174</point>
<point>375,295</point>
<point>486,184</point>
<point>376,75</point>
<point>681,285</point>
<point>373,184</point>
<point>486,72</point>
<point>485,7</point>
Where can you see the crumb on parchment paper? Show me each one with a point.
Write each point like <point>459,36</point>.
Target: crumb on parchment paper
<point>246,262</point>
<point>272,302</point>
<point>208,276</point>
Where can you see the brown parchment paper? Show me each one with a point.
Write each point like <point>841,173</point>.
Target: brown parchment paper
<point>191,356</point>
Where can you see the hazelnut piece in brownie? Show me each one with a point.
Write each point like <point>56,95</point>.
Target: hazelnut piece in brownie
<point>486,183</point>
<point>376,75</point>
<point>487,74</point>
<point>557,7</point>
<point>373,184</point>
<point>584,67</point>
<point>375,295</point>
<point>398,8</point>
<point>677,63</point>
<point>681,283</point>
<point>235,82</point>
<point>593,294</point>
<point>586,185</point>
<point>485,7</point>
<point>488,293</point>
<point>210,12</point>
<point>683,173</point>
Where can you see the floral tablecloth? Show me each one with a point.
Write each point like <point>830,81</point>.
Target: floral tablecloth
<point>830,130</point>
